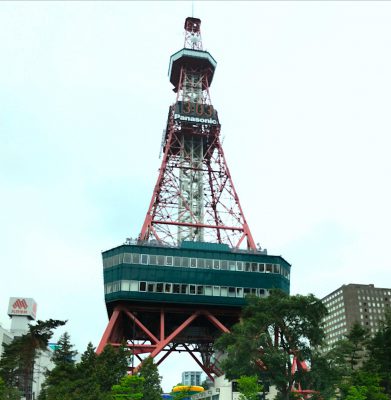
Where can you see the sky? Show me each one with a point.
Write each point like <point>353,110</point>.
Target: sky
<point>303,91</point>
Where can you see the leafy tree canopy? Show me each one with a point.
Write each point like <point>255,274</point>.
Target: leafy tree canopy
<point>149,371</point>
<point>273,329</point>
<point>129,388</point>
<point>249,387</point>
<point>18,358</point>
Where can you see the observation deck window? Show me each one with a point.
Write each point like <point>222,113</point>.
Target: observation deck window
<point>185,262</point>
<point>136,258</point>
<point>187,289</point>
<point>184,289</point>
<point>200,289</point>
<point>152,260</point>
<point>194,262</point>
<point>159,287</point>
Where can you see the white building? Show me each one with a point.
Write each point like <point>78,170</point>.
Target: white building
<point>22,311</point>
<point>5,337</point>
<point>191,378</point>
<point>225,390</point>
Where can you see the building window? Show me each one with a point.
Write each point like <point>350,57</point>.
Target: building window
<point>185,262</point>
<point>152,260</point>
<point>184,289</point>
<point>159,287</point>
<point>160,260</point>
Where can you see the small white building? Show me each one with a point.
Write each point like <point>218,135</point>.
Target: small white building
<point>22,311</point>
<point>191,378</point>
<point>224,390</point>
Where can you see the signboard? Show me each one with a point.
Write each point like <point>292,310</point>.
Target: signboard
<point>22,306</point>
<point>196,113</point>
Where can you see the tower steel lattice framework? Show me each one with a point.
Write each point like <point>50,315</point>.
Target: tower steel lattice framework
<point>194,197</point>
<point>194,201</point>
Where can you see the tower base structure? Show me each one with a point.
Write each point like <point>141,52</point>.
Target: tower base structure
<point>164,299</point>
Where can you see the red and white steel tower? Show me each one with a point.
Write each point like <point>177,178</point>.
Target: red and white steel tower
<point>194,198</point>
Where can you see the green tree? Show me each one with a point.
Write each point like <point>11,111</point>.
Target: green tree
<point>88,386</point>
<point>249,388</point>
<point>7,393</point>
<point>18,359</point>
<point>355,346</point>
<point>91,379</point>
<point>365,385</point>
<point>379,349</point>
<point>129,388</point>
<point>111,366</point>
<point>61,380</point>
<point>149,371</point>
<point>251,346</point>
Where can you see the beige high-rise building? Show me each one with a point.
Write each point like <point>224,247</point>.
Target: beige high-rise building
<point>365,304</point>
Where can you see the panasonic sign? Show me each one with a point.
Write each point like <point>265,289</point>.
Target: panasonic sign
<point>196,120</point>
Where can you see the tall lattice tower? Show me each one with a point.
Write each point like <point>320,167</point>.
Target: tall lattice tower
<point>184,281</point>
<point>194,197</point>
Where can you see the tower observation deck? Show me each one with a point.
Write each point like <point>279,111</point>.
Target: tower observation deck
<point>185,279</point>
